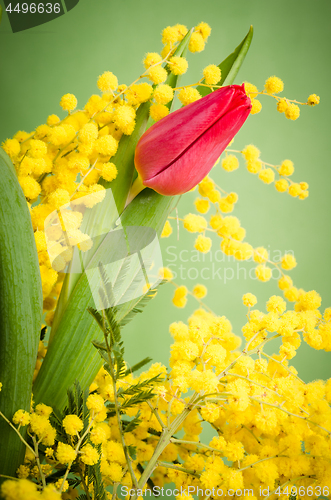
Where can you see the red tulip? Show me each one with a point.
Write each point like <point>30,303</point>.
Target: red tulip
<point>177,152</point>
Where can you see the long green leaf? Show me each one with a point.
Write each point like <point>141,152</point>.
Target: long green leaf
<point>231,65</point>
<point>71,355</point>
<point>20,310</point>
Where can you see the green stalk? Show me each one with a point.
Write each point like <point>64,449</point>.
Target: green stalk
<point>164,440</point>
<point>20,311</point>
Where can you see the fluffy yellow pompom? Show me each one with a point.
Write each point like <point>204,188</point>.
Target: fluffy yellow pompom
<point>109,172</point>
<point>281,185</point>
<point>249,300</point>
<point>65,453</point>
<point>294,189</point>
<point>267,175</point>
<point>286,168</point>
<point>197,43</point>
<point>256,106</point>
<point>203,244</point>
<point>89,455</point>
<point>251,90</point>
<point>30,187</point>
<point>212,74</point>
<point>37,149</point>
<point>273,85</point>
<point>169,35</point>
<point>124,119</point>
<point>313,99</point>
<point>21,417</point>
<point>59,198</point>
<point>165,273</point>
<point>276,304</point>
<point>199,291</point>
<point>285,282</point>
<point>151,59</point>
<point>251,152</point>
<point>261,255</point>
<point>288,262</point>
<point>52,120</point>
<point>95,403</point>
<point>188,95</point>
<point>292,111</point>
<point>138,93</point>
<point>230,163</point>
<point>201,205</point>
<point>107,81</point>
<point>72,424</point>
<point>179,298</point>
<point>178,65</point>
<point>263,273</point>
<point>158,111</point>
<point>204,29</point>
<point>11,147</point>
<point>68,102</point>
<point>254,166</point>
<point>163,94</point>
<point>282,105</point>
<point>106,145</point>
<point>195,223</point>
<point>157,74</point>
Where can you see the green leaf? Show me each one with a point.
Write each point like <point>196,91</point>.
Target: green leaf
<point>20,310</point>
<point>136,388</point>
<point>98,318</point>
<point>99,345</point>
<point>137,366</point>
<point>132,424</point>
<point>83,496</point>
<point>231,65</point>
<point>132,451</point>
<point>137,399</point>
<point>71,354</point>
<point>129,310</point>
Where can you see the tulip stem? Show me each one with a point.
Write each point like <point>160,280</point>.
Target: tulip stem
<point>135,189</point>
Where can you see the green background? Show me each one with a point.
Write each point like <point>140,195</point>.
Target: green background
<point>292,41</point>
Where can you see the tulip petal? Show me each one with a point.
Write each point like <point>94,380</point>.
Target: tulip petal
<point>176,153</point>
<point>181,176</point>
<point>170,137</point>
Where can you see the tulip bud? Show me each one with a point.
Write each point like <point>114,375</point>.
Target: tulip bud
<point>177,152</point>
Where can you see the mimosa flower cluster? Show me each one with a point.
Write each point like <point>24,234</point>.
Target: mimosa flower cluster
<point>272,428</point>
<point>69,159</point>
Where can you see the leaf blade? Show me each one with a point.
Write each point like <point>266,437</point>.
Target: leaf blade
<point>20,310</point>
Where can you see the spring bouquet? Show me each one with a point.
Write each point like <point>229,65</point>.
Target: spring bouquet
<point>84,201</point>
